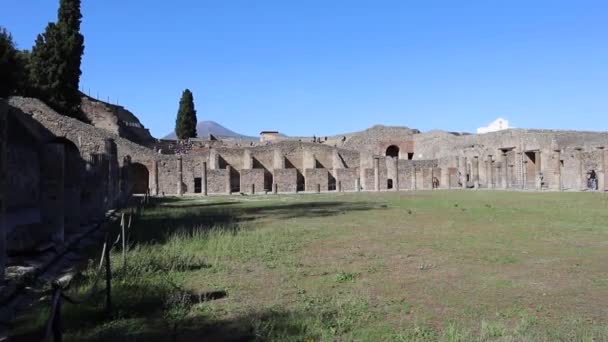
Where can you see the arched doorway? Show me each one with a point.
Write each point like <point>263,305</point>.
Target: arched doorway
<point>139,178</point>
<point>392,151</point>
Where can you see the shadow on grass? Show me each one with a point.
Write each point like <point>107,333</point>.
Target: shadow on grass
<point>141,314</point>
<point>167,216</point>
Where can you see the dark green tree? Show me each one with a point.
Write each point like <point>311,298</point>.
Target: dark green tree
<point>55,61</point>
<point>8,64</point>
<point>185,124</point>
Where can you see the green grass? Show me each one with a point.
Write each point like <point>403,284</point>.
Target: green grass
<point>422,266</point>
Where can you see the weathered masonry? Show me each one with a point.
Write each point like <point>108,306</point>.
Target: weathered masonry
<point>388,159</point>
<point>58,174</point>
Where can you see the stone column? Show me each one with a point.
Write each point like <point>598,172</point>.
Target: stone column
<point>413,178</point>
<point>445,177</point>
<point>278,159</point>
<point>309,160</point>
<point>581,172</point>
<point>396,179</point>
<point>125,180</point>
<point>604,151</point>
<point>247,159</point>
<point>228,185</point>
<point>180,177</point>
<point>154,183</point>
<point>523,168</point>
<point>3,138</point>
<point>204,179</point>
<point>475,172</point>
<point>112,155</point>
<point>463,172</point>
<point>213,159</point>
<point>376,174</point>
<point>537,170</point>
<point>601,185</point>
<point>557,173</point>
<point>490,172</point>
<point>505,170</point>
<point>52,205</point>
<point>358,184</point>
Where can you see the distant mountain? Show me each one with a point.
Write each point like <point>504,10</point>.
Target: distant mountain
<point>204,128</point>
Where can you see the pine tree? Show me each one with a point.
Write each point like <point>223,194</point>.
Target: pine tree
<point>55,61</point>
<point>185,124</point>
<point>8,64</point>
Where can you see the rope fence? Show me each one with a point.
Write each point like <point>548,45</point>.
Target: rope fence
<point>54,330</point>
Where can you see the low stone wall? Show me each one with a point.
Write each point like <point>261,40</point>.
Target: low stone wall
<point>253,177</point>
<point>348,178</point>
<point>217,181</point>
<point>286,179</point>
<point>314,178</point>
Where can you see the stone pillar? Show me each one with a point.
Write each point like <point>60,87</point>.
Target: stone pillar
<point>445,177</point>
<point>396,178</point>
<point>463,172</point>
<point>252,189</point>
<point>247,159</point>
<point>180,177</point>
<point>505,170</point>
<point>475,172</point>
<point>601,185</point>
<point>228,185</point>
<point>376,174</point>
<point>490,172</point>
<point>557,173</point>
<point>413,186</point>
<point>358,184</point>
<point>604,151</point>
<point>537,170</point>
<point>318,188</point>
<point>275,188</point>
<point>214,159</point>
<point>278,161</point>
<point>581,172</point>
<point>521,169</point>
<point>125,180</point>
<point>336,160</point>
<point>339,186</point>
<point>154,182</point>
<point>3,138</point>
<point>204,179</point>
<point>52,205</point>
<point>112,155</point>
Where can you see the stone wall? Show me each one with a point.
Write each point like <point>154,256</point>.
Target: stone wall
<point>347,178</point>
<point>286,180</point>
<point>316,178</point>
<point>253,177</point>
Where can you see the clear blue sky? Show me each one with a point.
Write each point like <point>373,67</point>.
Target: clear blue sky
<point>326,67</point>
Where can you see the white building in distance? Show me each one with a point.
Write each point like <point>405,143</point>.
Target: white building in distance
<point>496,125</point>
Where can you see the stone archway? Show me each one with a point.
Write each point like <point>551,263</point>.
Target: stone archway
<point>392,151</point>
<point>140,177</point>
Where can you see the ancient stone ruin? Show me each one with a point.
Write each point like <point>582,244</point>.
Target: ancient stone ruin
<point>58,173</point>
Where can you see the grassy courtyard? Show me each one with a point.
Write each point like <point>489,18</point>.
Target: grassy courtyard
<point>423,266</point>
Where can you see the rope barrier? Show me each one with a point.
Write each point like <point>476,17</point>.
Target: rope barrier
<point>53,326</point>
